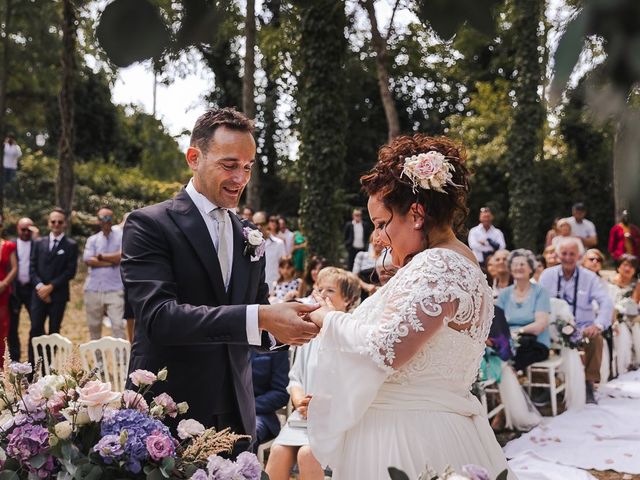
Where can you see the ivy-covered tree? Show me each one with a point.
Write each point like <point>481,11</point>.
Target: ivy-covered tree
<point>322,53</point>
<point>524,141</point>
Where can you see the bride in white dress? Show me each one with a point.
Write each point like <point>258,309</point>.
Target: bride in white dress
<point>392,385</point>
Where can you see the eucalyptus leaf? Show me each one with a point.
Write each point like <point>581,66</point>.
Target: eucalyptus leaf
<point>37,461</point>
<point>155,474</point>
<point>503,475</point>
<point>396,474</point>
<point>9,475</point>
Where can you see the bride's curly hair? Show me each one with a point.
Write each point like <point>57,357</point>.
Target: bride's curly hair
<point>396,190</point>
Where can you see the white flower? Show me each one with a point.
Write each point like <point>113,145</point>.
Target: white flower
<point>81,414</point>
<point>568,330</point>
<point>182,407</point>
<point>255,238</point>
<point>162,374</point>
<point>156,411</point>
<point>63,430</point>
<point>142,377</point>
<point>430,171</point>
<point>190,428</point>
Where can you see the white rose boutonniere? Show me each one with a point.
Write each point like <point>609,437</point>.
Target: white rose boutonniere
<point>254,244</point>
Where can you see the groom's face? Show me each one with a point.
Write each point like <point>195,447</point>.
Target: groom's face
<point>222,172</point>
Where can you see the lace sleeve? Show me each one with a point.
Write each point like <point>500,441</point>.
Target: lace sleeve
<point>431,294</point>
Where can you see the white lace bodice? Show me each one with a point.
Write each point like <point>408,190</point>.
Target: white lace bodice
<point>438,285</point>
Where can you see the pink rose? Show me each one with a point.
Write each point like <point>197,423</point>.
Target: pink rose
<point>56,402</point>
<point>429,164</point>
<point>134,400</point>
<point>95,395</point>
<point>142,377</point>
<point>159,446</point>
<point>167,403</point>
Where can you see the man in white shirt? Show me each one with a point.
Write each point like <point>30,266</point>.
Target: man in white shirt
<point>484,238</point>
<point>582,228</point>
<point>10,158</point>
<point>274,250</point>
<point>356,236</point>
<point>22,286</point>
<point>285,234</point>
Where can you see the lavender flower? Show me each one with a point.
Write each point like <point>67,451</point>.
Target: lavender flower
<point>27,441</point>
<point>18,368</point>
<point>221,469</point>
<point>109,448</point>
<point>199,475</point>
<point>248,466</point>
<point>475,472</point>
<point>159,446</point>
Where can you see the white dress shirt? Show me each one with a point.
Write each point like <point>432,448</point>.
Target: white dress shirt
<point>288,238</point>
<point>478,235</point>
<point>53,238</point>
<point>358,235</point>
<point>274,251</point>
<point>24,259</point>
<point>205,207</point>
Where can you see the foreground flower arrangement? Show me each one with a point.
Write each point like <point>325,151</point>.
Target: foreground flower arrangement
<point>70,425</point>
<point>469,472</point>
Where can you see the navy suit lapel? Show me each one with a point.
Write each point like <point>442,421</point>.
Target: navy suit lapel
<point>241,264</point>
<point>188,219</point>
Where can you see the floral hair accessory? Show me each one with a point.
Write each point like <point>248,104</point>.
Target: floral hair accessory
<point>430,171</point>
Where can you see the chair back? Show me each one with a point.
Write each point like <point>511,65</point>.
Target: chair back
<point>54,351</point>
<point>111,355</point>
<point>559,310</point>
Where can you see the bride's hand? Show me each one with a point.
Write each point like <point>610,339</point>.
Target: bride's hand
<point>326,306</point>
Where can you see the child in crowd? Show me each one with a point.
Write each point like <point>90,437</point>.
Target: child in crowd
<point>286,287</point>
<point>292,444</point>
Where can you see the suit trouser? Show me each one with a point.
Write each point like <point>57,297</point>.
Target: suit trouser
<point>21,296</point>
<point>99,303</point>
<point>352,256</point>
<point>39,312</point>
<point>593,358</point>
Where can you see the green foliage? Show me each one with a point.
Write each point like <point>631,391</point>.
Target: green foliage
<point>322,53</point>
<point>524,140</point>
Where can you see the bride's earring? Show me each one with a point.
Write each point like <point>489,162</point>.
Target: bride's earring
<point>418,226</point>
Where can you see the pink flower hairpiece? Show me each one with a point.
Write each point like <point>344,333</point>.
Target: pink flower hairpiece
<point>430,171</point>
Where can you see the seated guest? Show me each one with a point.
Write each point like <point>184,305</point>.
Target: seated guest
<point>385,267</point>
<point>526,306</point>
<point>551,233</point>
<point>292,444</point>
<point>564,230</point>
<point>593,260</point>
<point>364,266</point>
<point>541,265</point>
<point>270,377</point>
<point>286,287</point>
<point>550,256</point>
<point>624,238</point>
<point>580,287</point>
<point>310,275</point>
<point>498,270</point>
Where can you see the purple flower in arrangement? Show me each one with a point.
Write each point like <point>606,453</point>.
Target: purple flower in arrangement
<point>18,368</point>
<point>159,446</point>
<point>248,466</point>
<point>200,475</point>
<point>109,448</point>
<point>221,469</point>
<point>475,472</point>
<point>25,442</point>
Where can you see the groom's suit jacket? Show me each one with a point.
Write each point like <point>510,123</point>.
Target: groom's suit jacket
<point>184,319</point>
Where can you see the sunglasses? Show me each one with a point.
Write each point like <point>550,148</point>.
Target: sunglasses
<point>595,259</point>
<point>25,229</point>
<point>56,222</point>
<point>105,218</point>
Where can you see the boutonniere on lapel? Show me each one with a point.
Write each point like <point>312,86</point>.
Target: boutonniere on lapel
<point>254,244</point>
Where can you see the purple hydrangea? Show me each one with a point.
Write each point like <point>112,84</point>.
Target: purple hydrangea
<point>25,442</point>
<point>248,466</point>
<point>221,469</point>
<point>109,448</point>
<point>139,426</point>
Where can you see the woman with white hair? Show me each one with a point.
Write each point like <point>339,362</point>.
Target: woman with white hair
<point>526,306</point>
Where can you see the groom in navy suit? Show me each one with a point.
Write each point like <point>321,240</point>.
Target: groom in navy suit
<point>195,280</point>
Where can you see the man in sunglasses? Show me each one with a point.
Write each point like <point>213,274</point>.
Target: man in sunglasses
<point>103,290</point>
<point>54,260</point>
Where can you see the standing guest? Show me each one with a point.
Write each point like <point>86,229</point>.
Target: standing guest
<point>247,213</point>
<point>564,230</point>
<point>287,286</point>
<point>551,233</point>
<point>286,235</point>
<point>579,287</point>
<point>270,372</point>
<point>356,233</point>
<point>527,307</point>
<point>54,260</point>
<point>311,276</point>
<point>582,228</point>
<point>624,238</point>
<point>299,252</point>
<point>484,238</point>
<point>273,226</point>
<point>8,272</point>
<point>292,444</point>
<point>10,158</point>
<point>22,286</point>
<point>103,289</point>
<point>274,250</point>
<point>550,256</point>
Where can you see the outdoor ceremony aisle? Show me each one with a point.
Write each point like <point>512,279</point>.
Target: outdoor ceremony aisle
<point>599,437</point>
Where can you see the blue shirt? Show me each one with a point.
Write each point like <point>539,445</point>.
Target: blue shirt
<point>589,288</point>
<point>103,279</point>
<point>524,313</point>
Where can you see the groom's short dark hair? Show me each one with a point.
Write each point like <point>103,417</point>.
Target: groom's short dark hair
<point>209,121</point>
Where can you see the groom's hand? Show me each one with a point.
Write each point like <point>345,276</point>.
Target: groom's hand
<point>285,322</point>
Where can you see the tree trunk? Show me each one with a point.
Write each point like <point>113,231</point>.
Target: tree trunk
<point>380,46</point>
<point>248,98</point>
<point>323,115</point>
<point>525,136</point>
<point>626,164</point>
<point>4,79</point>
<point>66,180</point>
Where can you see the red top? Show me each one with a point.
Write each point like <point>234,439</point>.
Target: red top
<point>5,265</point>
<point>616,240</point>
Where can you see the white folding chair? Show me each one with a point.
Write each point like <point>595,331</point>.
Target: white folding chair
<point>551,367</point>
<point>53,350</point>
<point>111,355</point>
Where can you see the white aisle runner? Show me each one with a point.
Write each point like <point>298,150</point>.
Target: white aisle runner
<point>600,437</point>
